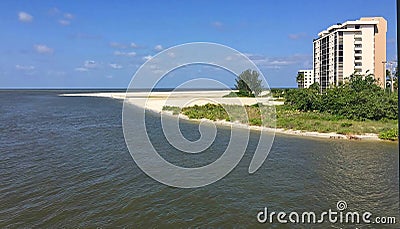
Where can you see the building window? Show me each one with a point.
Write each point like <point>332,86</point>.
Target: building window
<point>358,64</point>
<point>358,58</point>
<point>357,26</point>
<point>358,51</point>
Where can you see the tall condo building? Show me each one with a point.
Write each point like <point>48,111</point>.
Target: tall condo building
<point>354,46</point>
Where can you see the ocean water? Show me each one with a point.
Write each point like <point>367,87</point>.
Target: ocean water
<point>64,163</point>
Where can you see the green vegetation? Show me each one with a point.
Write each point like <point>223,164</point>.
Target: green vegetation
<point>288,118</point>
<point>359,99</point>
<point>324,122</point>
<point>357,107</point>
<point>391,134</point>
<point>248,84</point>
<point>300,78</point>
<point>175,110</point>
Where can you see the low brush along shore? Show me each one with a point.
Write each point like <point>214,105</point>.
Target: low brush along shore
<point>289,121</point>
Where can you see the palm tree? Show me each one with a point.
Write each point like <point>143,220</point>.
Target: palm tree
<point>300,79</point>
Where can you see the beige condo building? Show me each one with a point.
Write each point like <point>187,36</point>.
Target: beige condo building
<point>352,46</point>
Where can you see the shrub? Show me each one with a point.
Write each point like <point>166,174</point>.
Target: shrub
<point>346,124</point>
<point>391,134</point>
<point>360,99</point>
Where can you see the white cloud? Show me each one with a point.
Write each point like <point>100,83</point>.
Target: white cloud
<point>119,53</point>
<point>109,77</point>
<point>117,45</point>
<point>65,18</point>
<point>64,22</point>
<point>24,67</point>
<point>68,16</point>
<point>80,69</point>
<point>90,64</point>
<point>147,57</point>
<point>217,24</point>
<point>54,11</point>
<point>84,36</point>
<point>56,73</point>
<point>24,17</point>
<point>158,48</point>
<point>115,66</point>
<point>279,62</point>
<point>297,36</point>
<point>158,71</point>
<point>43,49</point>
<point>87,65</point>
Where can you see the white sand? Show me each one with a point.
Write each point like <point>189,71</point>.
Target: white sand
<point>155,101</point>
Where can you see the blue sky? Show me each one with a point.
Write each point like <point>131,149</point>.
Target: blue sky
<point>92,44</point>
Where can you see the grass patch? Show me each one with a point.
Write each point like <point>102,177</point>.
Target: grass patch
<point>175,110</point>
<point>391,134</point>
<point>287,118</point>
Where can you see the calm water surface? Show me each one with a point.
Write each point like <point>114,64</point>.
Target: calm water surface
<point>64,163</point>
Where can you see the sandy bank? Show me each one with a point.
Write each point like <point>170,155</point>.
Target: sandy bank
<point>155,101</point>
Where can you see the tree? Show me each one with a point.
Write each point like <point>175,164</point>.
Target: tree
<point>300,78</point>
<point>359,99</point>
<point>395,78</point>
<point>248,83</point>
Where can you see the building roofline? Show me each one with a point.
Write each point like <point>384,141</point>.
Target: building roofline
<point>338,26</point>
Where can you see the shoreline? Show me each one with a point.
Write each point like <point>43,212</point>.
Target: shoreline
<point>157,100</point>
<point>312,134</point>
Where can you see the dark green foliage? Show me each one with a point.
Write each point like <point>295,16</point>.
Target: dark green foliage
<point>208,111</point>
<point>175,110</point>
<point>346,124</point>
<point>300,78</point>
<point>289,118</point>
<point>248,84</point>
<point>239,94</point>
<point>255,121</point>
<point>307,99</point>
<point>391,134</point>
<point>359,99</point>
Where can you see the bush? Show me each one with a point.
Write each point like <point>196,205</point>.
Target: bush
<point>391,134</point>
<point>255,121</point>
<point>360,99</point>
<point>175,110</point>
<point>346,124</point>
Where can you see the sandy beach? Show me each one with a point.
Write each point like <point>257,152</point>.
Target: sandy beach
<point>155,101</point>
